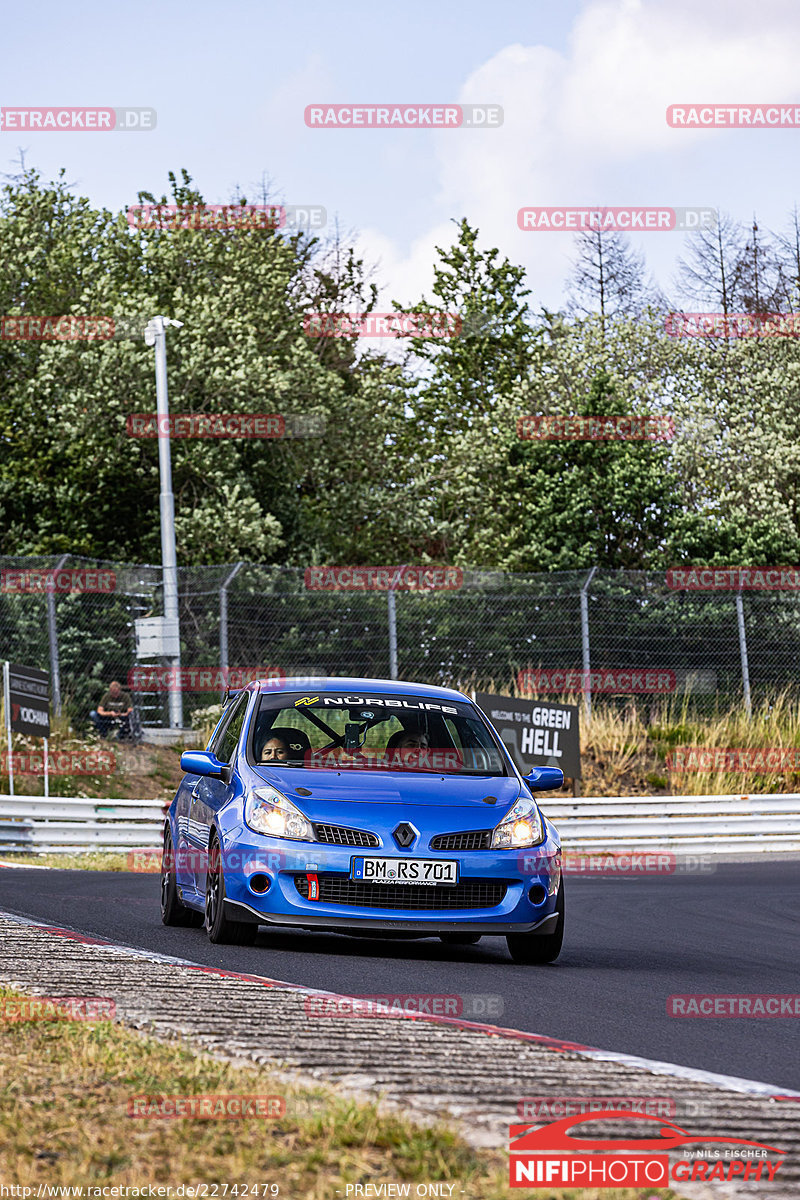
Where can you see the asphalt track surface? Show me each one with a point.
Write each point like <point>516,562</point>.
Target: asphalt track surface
<point>630,943</point>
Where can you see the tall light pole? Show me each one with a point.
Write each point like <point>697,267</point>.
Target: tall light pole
<point>155,335</point>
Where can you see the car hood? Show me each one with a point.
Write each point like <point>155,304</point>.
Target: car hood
<point>473,801</point>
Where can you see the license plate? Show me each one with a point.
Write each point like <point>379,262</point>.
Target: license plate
<point>427,871</point>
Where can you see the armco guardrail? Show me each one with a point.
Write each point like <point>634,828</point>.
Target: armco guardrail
<point>16,835</point>
<point>723,824</point>
<point>717,824</point>
<point>61,824</point>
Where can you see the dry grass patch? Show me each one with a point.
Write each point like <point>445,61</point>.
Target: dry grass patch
<point>629,748</point>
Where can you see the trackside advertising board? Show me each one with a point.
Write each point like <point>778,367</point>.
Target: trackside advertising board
<point>536,733</point>
<point>29,700</point>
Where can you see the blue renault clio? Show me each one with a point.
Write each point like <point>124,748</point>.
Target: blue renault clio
<point>355,805</point>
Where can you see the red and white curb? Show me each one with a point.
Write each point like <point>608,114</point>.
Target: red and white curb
<point>729,1083</point>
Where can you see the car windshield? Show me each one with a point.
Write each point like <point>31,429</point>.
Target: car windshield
<point>364,732</point>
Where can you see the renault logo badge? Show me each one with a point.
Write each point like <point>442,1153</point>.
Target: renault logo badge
<point>405,835</point>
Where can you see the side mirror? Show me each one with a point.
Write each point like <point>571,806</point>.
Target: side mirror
<point>202,762</point>
<point>544,779</point>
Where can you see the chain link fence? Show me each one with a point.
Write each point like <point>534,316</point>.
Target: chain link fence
<point>718,647</point>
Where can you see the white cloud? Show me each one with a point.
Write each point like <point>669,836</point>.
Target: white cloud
<point>404,277</point>
<point>589,126</point>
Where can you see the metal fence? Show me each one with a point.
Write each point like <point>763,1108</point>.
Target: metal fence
<point>721,646</point>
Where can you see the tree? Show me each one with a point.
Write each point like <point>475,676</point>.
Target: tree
<point>559,505</point>
<point>760,283</point>
<point>788,248</point>
<point>608,277</point>
<point>455,406</point>
<point>71,478</point>
<point>736,453</point>
<point>709,273</point>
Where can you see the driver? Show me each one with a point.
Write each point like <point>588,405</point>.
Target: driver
<point>408,739</point>
<point>405,745</point>
<point>274,750</point>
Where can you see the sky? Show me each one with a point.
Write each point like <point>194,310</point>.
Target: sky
<point>584,88</point>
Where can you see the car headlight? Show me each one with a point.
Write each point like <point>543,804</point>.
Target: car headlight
<point>522,826</point>
<point>267,811</point>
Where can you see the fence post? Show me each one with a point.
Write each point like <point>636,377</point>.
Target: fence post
<point>52,634</point>
<point>223,618</point>
<point>748,704</point>
<point>392,635</point>
<point>587,686</point>
<point>7,713</point>
<point>394,582</point>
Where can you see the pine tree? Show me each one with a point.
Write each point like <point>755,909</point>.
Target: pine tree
<point>710,273</point>
<point>760,284</point>
<point>609,277</point>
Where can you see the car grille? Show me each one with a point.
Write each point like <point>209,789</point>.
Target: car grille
<point>471,839</point>
<point>470,893</point>
<point>338,835</point>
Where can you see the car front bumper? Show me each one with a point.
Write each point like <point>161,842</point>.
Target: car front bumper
<point>531,878</point>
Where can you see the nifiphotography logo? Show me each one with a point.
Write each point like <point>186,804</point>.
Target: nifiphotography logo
<point>550,1156</point>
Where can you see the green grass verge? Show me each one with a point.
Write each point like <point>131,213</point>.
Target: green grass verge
<point>64,1093</point>
<point>91,860</point>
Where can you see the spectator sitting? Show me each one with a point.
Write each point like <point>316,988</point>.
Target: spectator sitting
<point>115,708</point>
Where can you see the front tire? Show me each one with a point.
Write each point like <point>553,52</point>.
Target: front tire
<point>531,948</point>
<point>173,911</point>
<point>220,929</point>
